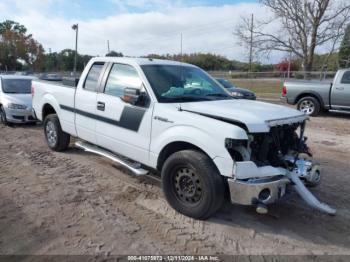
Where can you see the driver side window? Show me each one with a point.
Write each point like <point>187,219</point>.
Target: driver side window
<point>120,77</point>
<point>346,78</point>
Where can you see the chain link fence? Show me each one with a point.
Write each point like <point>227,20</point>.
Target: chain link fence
<point>269,84</point>
<point>315,75</point>
<point>264,84</point>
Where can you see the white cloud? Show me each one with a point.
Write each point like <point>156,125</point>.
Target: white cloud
<point>204,29</point>
<point>124,5</point>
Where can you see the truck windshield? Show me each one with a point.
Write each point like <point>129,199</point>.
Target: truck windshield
<point>174,83</point>
<point>16,86</point>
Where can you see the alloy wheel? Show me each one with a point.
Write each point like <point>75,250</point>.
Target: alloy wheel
<point>307,107</point>
<point>51,133</point>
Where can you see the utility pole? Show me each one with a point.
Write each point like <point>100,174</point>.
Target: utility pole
<point>75,27</point>
<point>181,48</point>
<point>251,43</point>
<point>108,50</point>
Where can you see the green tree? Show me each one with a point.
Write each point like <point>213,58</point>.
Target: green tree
<point>115,54</point>
<point>64,61</point>
<point>18,49</point>
<point>12,26</point>
<point>51,62</point>
<point>206,61</point>
<point>344,51</point>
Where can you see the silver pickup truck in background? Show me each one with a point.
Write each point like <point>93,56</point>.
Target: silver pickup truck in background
<point>312,97</point>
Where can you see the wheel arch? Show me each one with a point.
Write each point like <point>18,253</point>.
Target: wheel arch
<point>185,136</point>
<point>174,147</point>
<point>47,109</point>
<point>312,94</point>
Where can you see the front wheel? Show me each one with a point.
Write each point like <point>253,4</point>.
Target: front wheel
<point>56,139</point>
<point>192,184</point>
<point>309,106</point>
<point>3,120</point>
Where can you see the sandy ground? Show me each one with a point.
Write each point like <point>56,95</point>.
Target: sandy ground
<point>79,203</point>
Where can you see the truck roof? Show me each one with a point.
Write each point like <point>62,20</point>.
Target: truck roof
<point>139,61</point>
<point>344,69</point>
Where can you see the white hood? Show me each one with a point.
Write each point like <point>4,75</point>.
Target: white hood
<point>257,116</point>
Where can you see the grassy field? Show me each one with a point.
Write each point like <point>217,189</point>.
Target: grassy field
<point>266,88</point>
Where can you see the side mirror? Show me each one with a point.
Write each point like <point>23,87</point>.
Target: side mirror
<point>131,95</point>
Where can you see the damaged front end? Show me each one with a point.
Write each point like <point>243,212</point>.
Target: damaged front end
<point>268,162</point>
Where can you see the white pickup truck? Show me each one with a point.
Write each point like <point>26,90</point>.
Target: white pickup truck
<point>173,119</point>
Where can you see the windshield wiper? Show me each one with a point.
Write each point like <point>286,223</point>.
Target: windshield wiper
<point>184,98</point>
<point>218,95</point>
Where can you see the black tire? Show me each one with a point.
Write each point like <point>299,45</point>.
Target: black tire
<point>192,184</point>
<point>56,139</point>
<point>3,120</point>
<point>309,105</point>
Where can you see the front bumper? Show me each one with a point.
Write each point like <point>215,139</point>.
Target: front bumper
<point>20,115</point>
<point>261,190</point>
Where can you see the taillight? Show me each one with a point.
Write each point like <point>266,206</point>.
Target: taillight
<point>32,91</point>
<point>284,91</point>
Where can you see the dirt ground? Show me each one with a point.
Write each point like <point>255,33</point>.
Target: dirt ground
<point>78,203</point>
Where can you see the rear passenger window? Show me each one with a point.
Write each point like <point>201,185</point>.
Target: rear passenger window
<point>120,77</point>
<point>93,76</point>
<point>346,78</point>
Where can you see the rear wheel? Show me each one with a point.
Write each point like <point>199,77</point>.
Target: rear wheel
<point>56,139</point>
<point>192,184</point>
<point>309,106</point>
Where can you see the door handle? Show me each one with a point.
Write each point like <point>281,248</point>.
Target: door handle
<point>339,88</point>
<point>101,106</point>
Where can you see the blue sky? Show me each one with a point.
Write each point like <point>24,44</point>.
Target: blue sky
<point>137,27</point>
<point>92,9</point>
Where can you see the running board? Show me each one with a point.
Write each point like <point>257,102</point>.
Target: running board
<point>133,167</point>
<point>339,111</point>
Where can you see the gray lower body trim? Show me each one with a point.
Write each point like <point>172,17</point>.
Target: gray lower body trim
<point>102,152</point>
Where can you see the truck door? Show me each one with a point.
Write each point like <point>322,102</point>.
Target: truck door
<point>122,127</point>
<point>85,103</point>
<point>340,97</point>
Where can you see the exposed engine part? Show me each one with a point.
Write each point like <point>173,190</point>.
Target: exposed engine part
<point>315,176</point>
<point>269,148</point>
<point>261,209</point>
<point>305,169</point>
<point>283,149</point>
<point>308,197</point>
